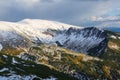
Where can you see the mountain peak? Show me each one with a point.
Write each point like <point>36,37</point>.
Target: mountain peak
<point>86,40</point>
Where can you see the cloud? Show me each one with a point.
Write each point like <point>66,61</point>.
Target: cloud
<point>76,12</point>
<point>26,3</point>
<point>109,24</point>
<point>106,18</point>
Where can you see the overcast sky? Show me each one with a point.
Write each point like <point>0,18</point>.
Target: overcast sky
<point>76,12</point>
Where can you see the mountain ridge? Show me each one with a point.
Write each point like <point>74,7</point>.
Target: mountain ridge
<point>28,31</point>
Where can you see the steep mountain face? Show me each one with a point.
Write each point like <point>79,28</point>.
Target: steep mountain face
<point>88,40</point>
<point>48,50</point>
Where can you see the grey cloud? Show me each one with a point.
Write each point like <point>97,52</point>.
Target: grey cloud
<point>74,12</point>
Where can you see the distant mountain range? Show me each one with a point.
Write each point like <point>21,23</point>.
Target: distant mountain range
<point>57,51</point>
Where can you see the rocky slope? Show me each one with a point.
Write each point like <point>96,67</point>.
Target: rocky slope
<point>14,68</point>
<point>88,40</point>
<point>78,65</point>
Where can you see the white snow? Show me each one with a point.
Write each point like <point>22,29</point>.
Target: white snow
<point>18,77</point>
<point>5,56</point>
<point>14,61</point>
<point>118,37</point>
<point>4,69</point>
<point>114,37</point>
<point>51,78</point>
<point>1,47</point>
<point>28,77</point>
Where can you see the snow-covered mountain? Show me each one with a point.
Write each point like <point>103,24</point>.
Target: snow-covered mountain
<point>28,31</point>
<point>31,28</point>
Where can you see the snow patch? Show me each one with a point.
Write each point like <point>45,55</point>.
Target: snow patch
<point>4,69</point>
<point>18,77</point>
<point>14,61</point>
<point>1,47</point>
<point>114,37</point>
<point>118,37</point>
<point>5,56</point>
<point>51,78</point>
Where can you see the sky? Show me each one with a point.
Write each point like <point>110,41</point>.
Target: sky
<point>99,13</point>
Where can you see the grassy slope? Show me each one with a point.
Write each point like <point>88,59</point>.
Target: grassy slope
<point>23,67</point>
<point>77,62</point>
<point>112,57</point>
